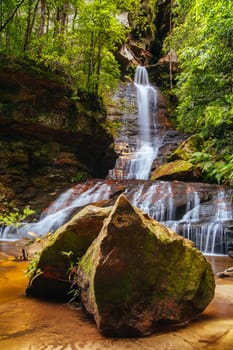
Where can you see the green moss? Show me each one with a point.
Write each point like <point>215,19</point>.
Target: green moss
<point>178,166</point>
<point>187,148</point>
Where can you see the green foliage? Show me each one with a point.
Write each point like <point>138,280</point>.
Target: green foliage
<point>203,39</point>
<point>142,19</point>
<point>75,37</point>
<point>14,217</point>
<point>214,168</point>
<point>72,275</point>
<point>113,127</point>
<point>80,176</point>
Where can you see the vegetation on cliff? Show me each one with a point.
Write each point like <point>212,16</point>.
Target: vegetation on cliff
<point>202,36</point>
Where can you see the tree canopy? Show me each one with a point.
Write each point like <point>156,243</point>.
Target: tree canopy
<point>77,37</point>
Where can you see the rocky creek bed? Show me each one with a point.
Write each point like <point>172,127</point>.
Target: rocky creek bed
<point>28,323</point>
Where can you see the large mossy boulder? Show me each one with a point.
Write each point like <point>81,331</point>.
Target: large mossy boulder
<point>49,275</point>
<point>138,275</point>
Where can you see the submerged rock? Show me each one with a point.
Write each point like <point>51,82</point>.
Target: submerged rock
<point>226,273</point>
<point>50,275</point>
<point>138,275</point>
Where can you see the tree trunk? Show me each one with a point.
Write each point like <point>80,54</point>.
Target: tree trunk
<point>57,22</point>
<point>90,63</point>
<point>28,28</point>
<point>1,20</point>
<point>42,18</point>
<point>99,59</point>
<point>64,16</point>
<point>30,23</point>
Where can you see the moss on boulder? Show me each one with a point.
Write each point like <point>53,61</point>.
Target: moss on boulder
<point>138,274</point>
<point>49,276</point>
<point>187,148</point>
<point>178,170</point>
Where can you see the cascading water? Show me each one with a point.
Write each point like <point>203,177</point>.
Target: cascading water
<point>186,208</point>
<point>136,161</point>
<point>60,211</point>
<point>140,165</point>
<point>200,212</point>
<point>146,100</point>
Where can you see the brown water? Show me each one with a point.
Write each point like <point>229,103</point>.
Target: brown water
<point>30,324</point>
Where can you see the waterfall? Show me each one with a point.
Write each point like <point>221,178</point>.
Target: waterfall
<point>135,161</point>
<point>140,166</point>
<point>146,101</point>
<point>202,213</point>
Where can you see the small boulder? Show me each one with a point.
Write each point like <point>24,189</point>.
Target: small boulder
<point>49,271</point>
<point>226,273</point>
<point>138,275</point>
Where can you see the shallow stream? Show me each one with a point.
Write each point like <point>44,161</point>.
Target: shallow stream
<point>32,324</point>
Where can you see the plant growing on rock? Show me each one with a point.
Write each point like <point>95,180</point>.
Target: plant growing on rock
<point>72,276</point>
<point>15,217</point>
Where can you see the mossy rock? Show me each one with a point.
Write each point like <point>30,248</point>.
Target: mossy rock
<point>187,148</point>
<point>139,275</point>
<point>49,276</point>
<point>176,170</point>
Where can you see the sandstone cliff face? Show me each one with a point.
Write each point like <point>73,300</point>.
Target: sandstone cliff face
<point>46,133</point>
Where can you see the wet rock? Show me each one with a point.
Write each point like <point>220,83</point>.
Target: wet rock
<point>49,276</point>
<point>230,245</point>
<point>171,141</point>
<point>138,275</point>
<point>226,273</point>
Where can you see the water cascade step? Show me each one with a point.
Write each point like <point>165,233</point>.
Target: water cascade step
<point>200,212</point>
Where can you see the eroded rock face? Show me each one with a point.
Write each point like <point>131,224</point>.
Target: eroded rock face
<point>50,277</point>
<point>46,135</point>
<point>138,274</point>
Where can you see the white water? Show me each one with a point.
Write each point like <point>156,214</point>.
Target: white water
<point>145,153</point>
<point>60,211</point>
<point>139,167</point>
<point>146,101</point>
<point>209,232</point>
<point>136,159</point>
<point>160,200</point>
